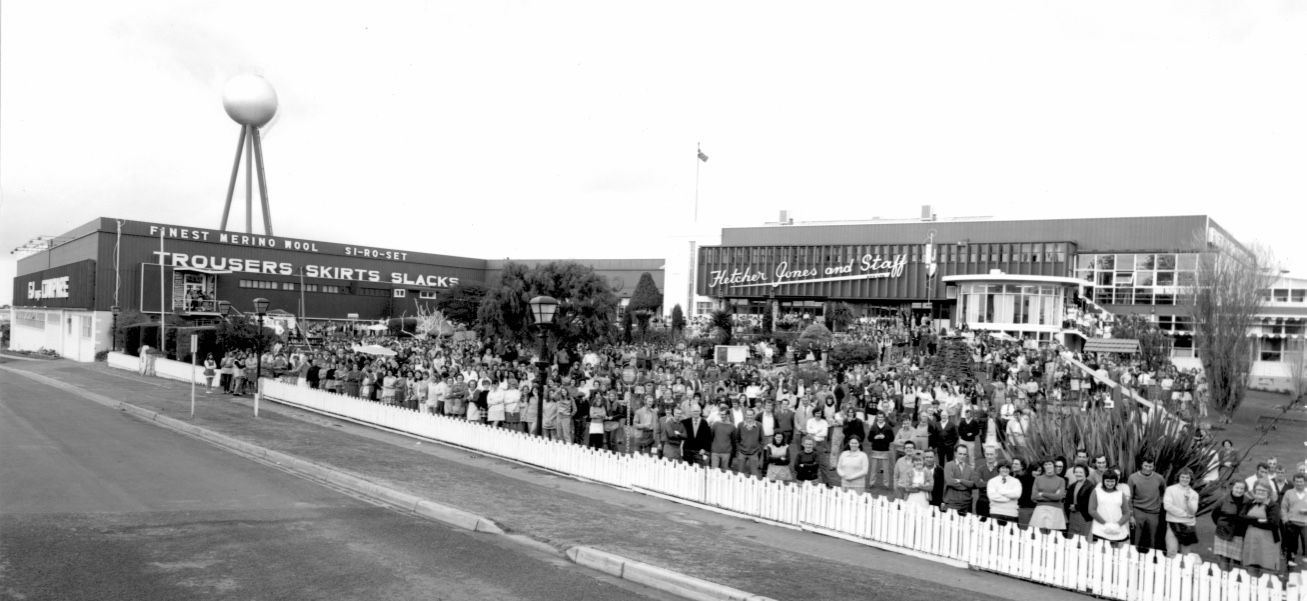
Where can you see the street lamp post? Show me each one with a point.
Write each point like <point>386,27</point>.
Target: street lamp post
<point>260,309</point>
<point>542,313</point>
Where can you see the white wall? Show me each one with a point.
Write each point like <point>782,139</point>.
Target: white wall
<point>54,333</point>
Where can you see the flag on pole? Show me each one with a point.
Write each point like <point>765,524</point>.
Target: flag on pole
<point>703,157</point>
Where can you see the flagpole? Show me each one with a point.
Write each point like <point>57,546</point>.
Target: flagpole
<point>698,153</point>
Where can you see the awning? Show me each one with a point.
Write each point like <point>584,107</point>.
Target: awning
<point>1111,345</point>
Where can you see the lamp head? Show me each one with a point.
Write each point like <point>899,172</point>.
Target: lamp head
<point>261,306</point>
<point>542,310</point>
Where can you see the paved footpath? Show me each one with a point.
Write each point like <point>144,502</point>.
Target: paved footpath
<point>556,510</point>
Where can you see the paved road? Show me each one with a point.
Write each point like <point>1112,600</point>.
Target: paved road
<point>95,504</point>
<point>551,509</point>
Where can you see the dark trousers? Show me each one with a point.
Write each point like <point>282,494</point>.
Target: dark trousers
<point>1294,539</point>
<point>1148,531</point>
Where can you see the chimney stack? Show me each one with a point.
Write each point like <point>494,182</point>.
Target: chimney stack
<point>927,213</point>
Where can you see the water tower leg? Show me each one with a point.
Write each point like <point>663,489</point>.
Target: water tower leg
<point>263,182</point>
<point>249,183</point>
<point>231,186</point>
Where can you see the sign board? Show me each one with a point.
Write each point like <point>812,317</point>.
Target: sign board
<point>351,316</point>
<point>730,353</point>
<point>66,286</point>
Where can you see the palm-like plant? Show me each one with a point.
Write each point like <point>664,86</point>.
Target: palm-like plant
<point>1125,436</point>
<point>723,321</point>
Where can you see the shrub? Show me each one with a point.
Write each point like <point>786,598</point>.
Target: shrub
<point>1125,435</point>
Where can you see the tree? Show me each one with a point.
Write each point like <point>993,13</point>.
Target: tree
<point>678,320</point>
<point>460,303</point>
<point>646,297</point>
<point>626,325</point>
<point>586,310</point>
<point>238,333</point>
<point>840,316</point>
<point>1295,356</point>
<point>1227,295</point>
<point>1154,346</point>
<point>724,322</point>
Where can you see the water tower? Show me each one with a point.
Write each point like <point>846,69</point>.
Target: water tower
<point>251,102</point>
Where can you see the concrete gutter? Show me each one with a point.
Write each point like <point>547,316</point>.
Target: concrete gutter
<point>655,577</point>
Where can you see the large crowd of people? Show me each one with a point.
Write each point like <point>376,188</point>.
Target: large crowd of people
<point>885,426</point>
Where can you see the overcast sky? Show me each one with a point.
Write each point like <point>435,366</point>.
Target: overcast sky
<point>567,129</point>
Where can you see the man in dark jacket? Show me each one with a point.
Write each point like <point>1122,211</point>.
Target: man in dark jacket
<point>880,437</point>
<point>698,437</point>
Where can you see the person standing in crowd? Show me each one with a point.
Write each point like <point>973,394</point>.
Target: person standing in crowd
<point>565,413</point>
<point>226,371</point>
<point>1262,476</point>
<point>1025,503</point>
<point>1110,508</point>
<point>699,437</point>
<point>936,472</point>
<point>785,420</point>
<point>1048,491</point>
<point>1261,540</point>
<point>749,443</point>
<point>1230,527</point>
<point>917,482</point>
<point>806,464</point>
<point>984,473</point>
<point>595,428</point>
<point>852,466</point>
<point>778,459</point>
<point>1079,491</point>
<point>1293,511</point>
<point>1003,492</point>
<point>1229,459</point>
<point>959,481</point>
<point>971,432</point>
<point>904,466</point>
<point>1180,501</point>
<point>210,370</point>
<point>880,437</point>
<point>1146,491</point>
<point>723,440</point>
<point>645,420</point>
<point>673,434</point>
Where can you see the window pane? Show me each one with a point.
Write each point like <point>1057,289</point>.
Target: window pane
<point>1144,262</point>
<point>1144,278</point>
<point>1104,278</point>
<point>1106,261</point>
<point>1125,262</point>
<point>1165,262</point>
<point>1186,261</point>
<point>1165,278</point>
<point>1185,278</point>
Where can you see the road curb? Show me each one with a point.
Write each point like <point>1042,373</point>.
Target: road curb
<point>652,576</point>
<point>406,501</point>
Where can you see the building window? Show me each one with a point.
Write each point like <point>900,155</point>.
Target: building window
<point>1280,295</point>
<point>400,293</point>
<point>258,284</point>
<point>427,294</point>
<point>331,289</point>
<point>86,326</point>
<point>287,285</point>
<point>374,291</point>
<point>1298,296</point>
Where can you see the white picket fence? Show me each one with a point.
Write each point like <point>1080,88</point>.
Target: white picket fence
<point>1073,564</point>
